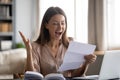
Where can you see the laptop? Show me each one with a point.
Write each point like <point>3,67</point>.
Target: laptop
<point>110,68</point>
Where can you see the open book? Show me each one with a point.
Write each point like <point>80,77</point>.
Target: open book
<point>30,75</point>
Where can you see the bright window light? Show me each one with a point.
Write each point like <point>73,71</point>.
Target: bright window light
<point>112,23</point>
<point>77,15</point>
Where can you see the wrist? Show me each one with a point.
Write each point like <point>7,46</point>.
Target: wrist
<point>86,63</point>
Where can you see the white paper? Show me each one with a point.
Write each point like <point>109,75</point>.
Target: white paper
<point>91,77</point>
<point>74,55</point>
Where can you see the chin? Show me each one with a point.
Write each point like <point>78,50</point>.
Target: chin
<point>58,38</point>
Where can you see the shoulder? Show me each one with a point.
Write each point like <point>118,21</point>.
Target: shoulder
<point>70,38</point>
<point>35,45</point>
<point>36,49</point>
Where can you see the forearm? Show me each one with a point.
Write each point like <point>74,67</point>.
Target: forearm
<point>80,71</point>
<point>29,63</point>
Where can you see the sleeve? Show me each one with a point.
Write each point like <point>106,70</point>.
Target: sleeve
<point>36,57</point>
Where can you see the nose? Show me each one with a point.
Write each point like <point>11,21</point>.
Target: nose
<point>59,25</point>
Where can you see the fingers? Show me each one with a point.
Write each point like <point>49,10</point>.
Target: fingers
<point>29,45</point>
<point>26,42</point>
<point>90,58</point>
<point>23,37</point>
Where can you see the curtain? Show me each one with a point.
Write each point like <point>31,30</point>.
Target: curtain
<point>96,29</point>
<point>103,24</point>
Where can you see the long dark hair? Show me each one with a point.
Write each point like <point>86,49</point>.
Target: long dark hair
<point>44,36</point>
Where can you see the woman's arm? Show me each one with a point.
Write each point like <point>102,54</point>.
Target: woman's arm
<point>83,68</point>
<point>80,71</point>
<point>29,63</point>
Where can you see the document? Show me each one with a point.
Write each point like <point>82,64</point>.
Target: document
<point>74,55</point>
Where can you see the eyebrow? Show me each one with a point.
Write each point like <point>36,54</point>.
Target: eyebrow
<point>58,21</point>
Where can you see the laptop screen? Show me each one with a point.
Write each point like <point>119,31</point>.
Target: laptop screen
<point>110,68</point>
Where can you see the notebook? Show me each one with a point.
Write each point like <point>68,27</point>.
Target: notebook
<point>110,68</point>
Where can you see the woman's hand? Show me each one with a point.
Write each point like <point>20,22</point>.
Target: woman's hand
<point>83,69</point>
<point>90,58</point>
<point>26,42</point>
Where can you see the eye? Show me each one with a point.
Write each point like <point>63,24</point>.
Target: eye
<point>55,23</point>
<point>63,23</point>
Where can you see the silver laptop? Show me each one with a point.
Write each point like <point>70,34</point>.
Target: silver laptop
<point>110,68</point>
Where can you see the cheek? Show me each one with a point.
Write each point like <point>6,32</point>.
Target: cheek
<point>51,31</point>
<point>64,28</point>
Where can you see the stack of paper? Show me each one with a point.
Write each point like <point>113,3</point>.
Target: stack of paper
<point>74,55</point>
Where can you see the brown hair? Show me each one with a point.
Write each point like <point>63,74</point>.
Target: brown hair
<point>44,36</point>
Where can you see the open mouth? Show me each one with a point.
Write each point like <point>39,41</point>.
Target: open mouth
<point>58,33</point>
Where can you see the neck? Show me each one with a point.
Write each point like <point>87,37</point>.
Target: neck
<point>53,43</point>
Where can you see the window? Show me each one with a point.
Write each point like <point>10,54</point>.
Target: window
<point>112,16</point>
<point>77,15</point>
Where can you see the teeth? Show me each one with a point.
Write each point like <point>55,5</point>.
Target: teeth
<point>59,33</point>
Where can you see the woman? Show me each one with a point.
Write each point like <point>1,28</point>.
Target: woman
<point>46,54</point>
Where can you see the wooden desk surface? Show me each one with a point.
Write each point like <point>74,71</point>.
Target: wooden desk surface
<point>99,52</point>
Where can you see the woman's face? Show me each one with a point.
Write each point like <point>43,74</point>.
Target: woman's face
<point>56,26</point>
